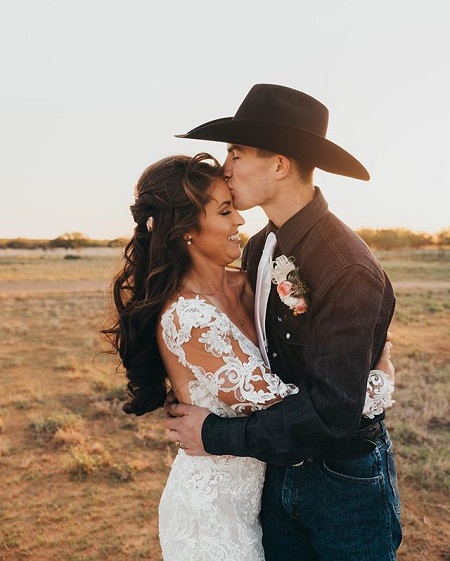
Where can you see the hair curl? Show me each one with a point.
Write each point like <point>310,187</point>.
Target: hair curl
<point>172,192</point>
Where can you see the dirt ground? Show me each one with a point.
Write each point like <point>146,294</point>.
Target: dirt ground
<point>110,512</point>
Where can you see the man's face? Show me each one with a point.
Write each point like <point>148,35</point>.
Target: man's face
<point>249,176</point>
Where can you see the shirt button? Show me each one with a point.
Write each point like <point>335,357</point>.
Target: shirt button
<point>288,335</point>
<point>274,355</point>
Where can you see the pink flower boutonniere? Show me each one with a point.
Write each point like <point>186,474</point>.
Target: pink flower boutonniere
<point>291,290</point>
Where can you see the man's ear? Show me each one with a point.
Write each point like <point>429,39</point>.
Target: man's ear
<point>283,166</point>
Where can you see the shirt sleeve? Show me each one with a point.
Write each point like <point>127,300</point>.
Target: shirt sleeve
<point>220,357</point>
<point>326,412</point>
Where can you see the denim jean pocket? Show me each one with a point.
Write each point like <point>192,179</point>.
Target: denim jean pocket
<point>392,476</point>
<point>361,469</point>
<point>291,491</point>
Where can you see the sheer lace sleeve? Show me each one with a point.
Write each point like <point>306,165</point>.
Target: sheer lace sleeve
<point>220,356</point>
<point>379,394</point>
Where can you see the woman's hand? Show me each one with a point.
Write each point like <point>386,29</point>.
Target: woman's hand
<point>385,362</point>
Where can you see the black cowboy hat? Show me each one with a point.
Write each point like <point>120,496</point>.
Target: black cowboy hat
<point>284,121</point>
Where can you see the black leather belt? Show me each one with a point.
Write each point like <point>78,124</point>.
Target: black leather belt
<point>360,445</point>
<point>372,432</point>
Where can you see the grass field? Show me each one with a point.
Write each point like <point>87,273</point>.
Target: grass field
<point>80,480</point>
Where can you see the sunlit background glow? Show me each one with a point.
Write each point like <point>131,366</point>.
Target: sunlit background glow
<point>93,91</point>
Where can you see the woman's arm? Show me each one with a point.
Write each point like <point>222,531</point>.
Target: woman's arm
<point>207,346</point>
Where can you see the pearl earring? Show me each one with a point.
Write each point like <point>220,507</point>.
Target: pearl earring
<point>189,240</point>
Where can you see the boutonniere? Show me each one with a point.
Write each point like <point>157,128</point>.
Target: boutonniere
<point>291,289</point>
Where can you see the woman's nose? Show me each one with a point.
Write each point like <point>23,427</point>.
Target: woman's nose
<point>240,221</point>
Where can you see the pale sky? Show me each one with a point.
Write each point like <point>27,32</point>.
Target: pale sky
<point>93,91</point>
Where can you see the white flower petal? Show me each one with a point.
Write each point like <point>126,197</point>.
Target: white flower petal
<point>282,266</point>
<point>290,301</point>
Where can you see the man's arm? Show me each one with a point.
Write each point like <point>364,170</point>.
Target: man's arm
<point>185,423</point>
<point>338,355</point>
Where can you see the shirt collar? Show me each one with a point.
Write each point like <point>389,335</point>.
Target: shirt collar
<point>294,229</point>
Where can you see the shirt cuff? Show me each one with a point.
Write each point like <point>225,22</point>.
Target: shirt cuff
<point>224,435</point>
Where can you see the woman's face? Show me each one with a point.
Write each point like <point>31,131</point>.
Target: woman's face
<point>218,238</point>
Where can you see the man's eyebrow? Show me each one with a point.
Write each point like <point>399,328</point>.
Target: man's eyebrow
<point>232,147</point>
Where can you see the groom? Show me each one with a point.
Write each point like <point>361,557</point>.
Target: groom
<point>331,491</point>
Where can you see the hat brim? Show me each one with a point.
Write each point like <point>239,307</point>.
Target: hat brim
<point>282,139</point>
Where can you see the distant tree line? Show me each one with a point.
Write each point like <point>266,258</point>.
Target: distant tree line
<point>377,239</point>
<point>69,240</point>
<point>401,238</point>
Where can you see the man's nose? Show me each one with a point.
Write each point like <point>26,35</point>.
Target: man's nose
<point>226,168</point>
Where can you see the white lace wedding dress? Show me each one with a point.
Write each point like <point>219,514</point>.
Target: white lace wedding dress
<point>210,505</point>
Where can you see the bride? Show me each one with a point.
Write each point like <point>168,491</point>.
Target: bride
<point>184,320</point>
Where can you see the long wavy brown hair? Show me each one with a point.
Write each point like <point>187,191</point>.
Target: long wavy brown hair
<point>170,195</point>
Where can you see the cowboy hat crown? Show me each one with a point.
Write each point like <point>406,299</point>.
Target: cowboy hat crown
<point>285,121</point>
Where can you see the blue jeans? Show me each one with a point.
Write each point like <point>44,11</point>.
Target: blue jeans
<point>333,510</point>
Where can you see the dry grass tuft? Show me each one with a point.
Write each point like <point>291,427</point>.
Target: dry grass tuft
<point>47,426</point>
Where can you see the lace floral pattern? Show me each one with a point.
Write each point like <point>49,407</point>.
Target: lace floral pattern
<point>379,394</point>
<point>210,505</point>
<point>238,370</point>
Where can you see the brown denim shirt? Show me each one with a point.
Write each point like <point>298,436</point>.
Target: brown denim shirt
<point>327,351</point>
